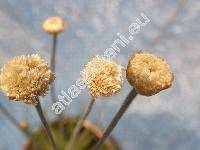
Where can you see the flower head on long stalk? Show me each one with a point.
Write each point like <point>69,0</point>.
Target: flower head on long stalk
<point>148,74</point>
<point>53,25</point>
<point>102,76</point>
<point>25,78</point>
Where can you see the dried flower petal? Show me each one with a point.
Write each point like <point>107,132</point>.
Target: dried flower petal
<point>102,76</point>
<point>24,78</point>
<point>148,74</point>
<point>53,25</point>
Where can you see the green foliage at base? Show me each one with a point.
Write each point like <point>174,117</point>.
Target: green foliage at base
<point>85,141</point>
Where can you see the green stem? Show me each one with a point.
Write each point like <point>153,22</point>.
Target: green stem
<point>80,124</point>
<point>45,124</point>
<point>116,118</point>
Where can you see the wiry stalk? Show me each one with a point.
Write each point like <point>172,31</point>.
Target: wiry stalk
<point>116,118</point>
<point>53,94</point>
<point>12,119</point>
<point>80,124</point>
<point>53,62</point>
<point>45,124</point>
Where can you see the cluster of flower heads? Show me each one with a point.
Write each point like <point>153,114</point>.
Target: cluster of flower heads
<point>24,78</point>
<point>102,76</point>
<point>53,25</point>
<point>148,74</point>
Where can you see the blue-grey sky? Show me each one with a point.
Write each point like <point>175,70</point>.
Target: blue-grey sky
<point>166,121</point>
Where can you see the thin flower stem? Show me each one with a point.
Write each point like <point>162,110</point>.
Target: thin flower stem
<point>53,94</point>
<point>116,118</point>
<point>45,124</point>
<point>80,124</point>
<point>53,62</point>
<point>12,119</point>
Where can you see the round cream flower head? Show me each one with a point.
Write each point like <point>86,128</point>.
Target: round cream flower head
<point>53,25</point>
<point>148,74</point>
<point>102,76</point>
<point>24,78</point>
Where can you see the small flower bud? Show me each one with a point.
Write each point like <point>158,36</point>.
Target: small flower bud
<point>53,25</point>
<point>23,124</point>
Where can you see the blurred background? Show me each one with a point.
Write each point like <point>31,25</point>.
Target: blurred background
<point>168,120</point>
